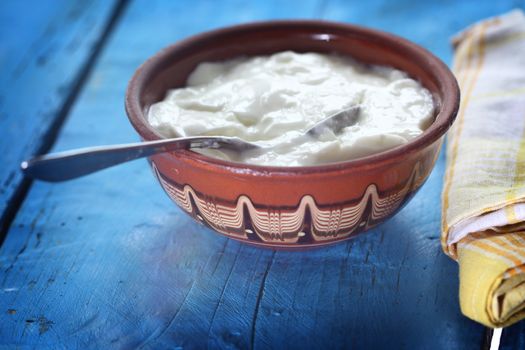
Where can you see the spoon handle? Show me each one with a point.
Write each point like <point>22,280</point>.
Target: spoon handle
<point>75,163</point>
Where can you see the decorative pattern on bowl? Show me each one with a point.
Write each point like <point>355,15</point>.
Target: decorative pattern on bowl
<point>242,219</point>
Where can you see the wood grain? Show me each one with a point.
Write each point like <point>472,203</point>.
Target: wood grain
<point>108,261</point>
<point>45,52</point>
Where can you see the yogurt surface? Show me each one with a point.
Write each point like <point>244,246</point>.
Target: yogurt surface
<point>274,99</point>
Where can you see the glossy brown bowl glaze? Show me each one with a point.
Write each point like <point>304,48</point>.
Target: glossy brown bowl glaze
<point>293,207</point>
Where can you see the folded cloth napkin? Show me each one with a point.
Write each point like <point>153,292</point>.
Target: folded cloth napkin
<point>484,189</point>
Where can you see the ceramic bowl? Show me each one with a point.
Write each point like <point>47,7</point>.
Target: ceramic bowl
<point>293,207</point>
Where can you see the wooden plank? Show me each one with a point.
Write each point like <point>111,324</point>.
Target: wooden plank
<point>428,23</point>
<point>392,288</point>
<point>92,261</point>
<point>107,260</point>
<point>44,52</point>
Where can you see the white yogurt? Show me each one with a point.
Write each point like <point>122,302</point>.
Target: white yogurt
<point>273,99</point>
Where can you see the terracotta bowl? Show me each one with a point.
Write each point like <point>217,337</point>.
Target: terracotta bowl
<point>293,207</point>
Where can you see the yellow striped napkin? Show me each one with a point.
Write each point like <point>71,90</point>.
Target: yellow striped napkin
<point>484,190</point>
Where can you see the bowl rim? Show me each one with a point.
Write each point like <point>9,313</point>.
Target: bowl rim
<point>448,104</point>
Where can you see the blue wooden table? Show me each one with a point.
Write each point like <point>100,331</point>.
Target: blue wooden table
<point>107,261</point>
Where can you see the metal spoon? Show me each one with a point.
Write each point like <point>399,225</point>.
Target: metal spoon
<point>67,165</point>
